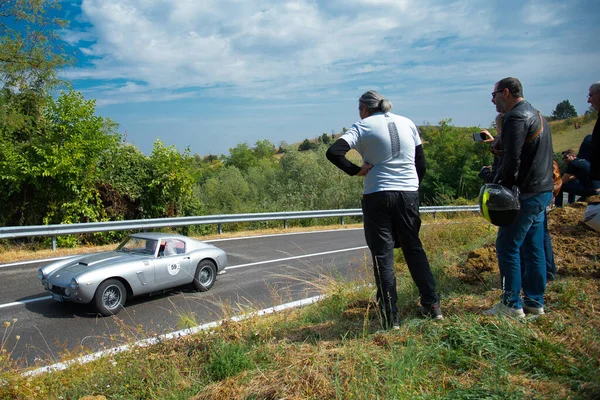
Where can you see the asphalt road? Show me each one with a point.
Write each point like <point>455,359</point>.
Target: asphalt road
<point>263,272</point>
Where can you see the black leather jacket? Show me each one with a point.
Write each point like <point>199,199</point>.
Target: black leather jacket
<point>527,165</point>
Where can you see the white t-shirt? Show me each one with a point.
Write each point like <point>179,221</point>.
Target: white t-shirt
<point>388,142</point>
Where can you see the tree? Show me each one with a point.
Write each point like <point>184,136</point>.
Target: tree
<point>324,138</point>
<point>30,49</point>
<point>169,192</point>
<point>307,145</point>
<point>226,192</point>
<point>241,156</point>
<point>564,110</point>
<point>264,149</point>
<point>453,163</point>
<point>49,169</point>
<point>124,175</point>
<point>590,115</point>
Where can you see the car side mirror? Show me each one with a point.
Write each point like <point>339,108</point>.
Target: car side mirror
<point>161,253</point>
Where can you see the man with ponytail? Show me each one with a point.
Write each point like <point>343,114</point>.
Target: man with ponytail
<point>393,167</point>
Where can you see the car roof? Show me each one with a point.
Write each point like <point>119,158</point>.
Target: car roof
<point>159,235</point>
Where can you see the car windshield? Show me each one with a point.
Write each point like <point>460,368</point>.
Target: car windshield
<point>138,245</point>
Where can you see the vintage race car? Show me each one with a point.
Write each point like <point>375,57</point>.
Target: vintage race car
<point>142,263</point>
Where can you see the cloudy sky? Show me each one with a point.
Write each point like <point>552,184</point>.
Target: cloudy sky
<point>212,74</point>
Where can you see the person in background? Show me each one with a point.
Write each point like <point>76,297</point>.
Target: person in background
<point>594,100</point>
<point>393,167</point>
<point>487,173</point>
<point>585,148</point>
<point>575,180</point>
<point>527,164</point>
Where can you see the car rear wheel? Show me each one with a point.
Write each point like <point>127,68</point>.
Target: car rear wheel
<point>110,297</point>
<point>205,276</point>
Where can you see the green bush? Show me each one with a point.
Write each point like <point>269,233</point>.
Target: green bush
<point>227,359</point>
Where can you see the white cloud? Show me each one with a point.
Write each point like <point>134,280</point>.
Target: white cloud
<point>162,50</point>
<point>541,13</point>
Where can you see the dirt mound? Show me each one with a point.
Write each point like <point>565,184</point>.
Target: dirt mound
<point>479,262</point>
<point>576,247</point>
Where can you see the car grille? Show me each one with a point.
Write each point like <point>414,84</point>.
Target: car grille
<point>57,290</point>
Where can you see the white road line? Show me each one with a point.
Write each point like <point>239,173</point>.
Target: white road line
<point>295,257</point>
<point>17,303</point>
<point>20,303</point>
<point>32,261</point>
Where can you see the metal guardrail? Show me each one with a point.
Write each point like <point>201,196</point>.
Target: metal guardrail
<point>13,232</point>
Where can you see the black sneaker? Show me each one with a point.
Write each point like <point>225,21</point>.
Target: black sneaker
<point>395,322</point>
<point>433,311</point>
<point>390,323</point>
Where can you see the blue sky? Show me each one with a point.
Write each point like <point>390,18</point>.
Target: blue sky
<point>212,74</point>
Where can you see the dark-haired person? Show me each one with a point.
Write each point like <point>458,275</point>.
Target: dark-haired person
<point>576,179</point>
<point>527,164</point>
<point>585,148</point>
<point>594,100</point>
<point>393,167</point>
<point>488,174</point>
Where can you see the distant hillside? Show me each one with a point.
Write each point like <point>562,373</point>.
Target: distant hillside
<point>564,134</point>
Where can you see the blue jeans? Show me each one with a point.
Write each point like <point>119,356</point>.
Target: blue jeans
<point>548,252</point>
<point>576,188</point>
<point>526,232</point>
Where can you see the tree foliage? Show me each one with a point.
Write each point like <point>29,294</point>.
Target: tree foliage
<point>30,50</point>
<point>124,175</point>
<point>243,156</point>
<point>564,110</point>
<point>307,145</point>
<point>325,139</point>
<point>48,169</point>
<point>169,190</point>
<point>453,163</point>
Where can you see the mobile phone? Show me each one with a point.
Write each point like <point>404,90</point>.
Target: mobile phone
<point>479,136</point>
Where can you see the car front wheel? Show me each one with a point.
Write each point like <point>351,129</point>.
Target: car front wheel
<point>205,276</point>
<point>110,297</point>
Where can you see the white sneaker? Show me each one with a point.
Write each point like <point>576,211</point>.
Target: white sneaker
<point>501,309</point>
<point>534,310</point>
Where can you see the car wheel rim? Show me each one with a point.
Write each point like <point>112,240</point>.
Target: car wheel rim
<point>206,276</point>
<point>111,298</point>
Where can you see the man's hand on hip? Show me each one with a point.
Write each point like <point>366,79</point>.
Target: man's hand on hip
<point>364,169</point>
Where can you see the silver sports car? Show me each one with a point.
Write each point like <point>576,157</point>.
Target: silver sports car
<point>143,263</point>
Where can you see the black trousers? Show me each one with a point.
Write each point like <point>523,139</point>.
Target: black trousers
<point>392,220</point>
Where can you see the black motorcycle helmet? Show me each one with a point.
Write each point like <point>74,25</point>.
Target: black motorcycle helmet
<point>498,204</point>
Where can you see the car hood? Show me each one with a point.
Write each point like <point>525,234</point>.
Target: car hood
<point>64,274</point>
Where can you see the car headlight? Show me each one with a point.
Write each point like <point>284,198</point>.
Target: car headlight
<point>67,292</point>
<point>40,274</point>
<point>74,285</point>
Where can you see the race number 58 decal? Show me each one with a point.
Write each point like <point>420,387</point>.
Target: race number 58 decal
<point>173,269</point>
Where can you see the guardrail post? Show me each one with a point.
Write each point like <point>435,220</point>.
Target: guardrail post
<point>220,228</point>
<point>53,243</point>
<point>434,216</point>
<point>342,220</point>
<point>285,224</point>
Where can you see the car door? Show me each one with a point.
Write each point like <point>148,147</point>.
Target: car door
<point>173,265</point>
